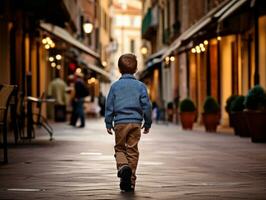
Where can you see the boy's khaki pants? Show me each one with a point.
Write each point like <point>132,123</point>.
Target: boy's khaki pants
<point>127,137</point>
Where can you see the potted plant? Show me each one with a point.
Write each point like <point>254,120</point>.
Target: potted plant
<point>228,107</point>
<point>255,103</point>
<point>211,114</point>
<point>238,117</point>
<point>187,113</point>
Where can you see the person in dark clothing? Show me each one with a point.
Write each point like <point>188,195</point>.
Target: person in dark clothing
<point>101,103</point>
<point>81,91</point>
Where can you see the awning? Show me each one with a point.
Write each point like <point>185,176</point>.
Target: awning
<point>224,8</point>
<point>198,26</point>
<point>64,35</point>
<point>155,58</point>
<point>157,54</point>
<point>188,33</point>
<point>87,62</point>
<point>152,62</point>
<point>232,9</point>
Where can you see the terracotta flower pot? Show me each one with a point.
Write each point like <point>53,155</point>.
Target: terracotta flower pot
<point>240,124</point>
<point>256,125</point>
<point>187,119</point>
<point>211,121</point>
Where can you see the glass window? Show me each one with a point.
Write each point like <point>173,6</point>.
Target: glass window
<point>132,46</point>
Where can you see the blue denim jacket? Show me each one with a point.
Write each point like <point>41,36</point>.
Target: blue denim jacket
<point>128,102</point>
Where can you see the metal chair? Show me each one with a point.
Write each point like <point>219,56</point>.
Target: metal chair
<point>6,92</point>
<point>21,114</point>
<point>37,118</point>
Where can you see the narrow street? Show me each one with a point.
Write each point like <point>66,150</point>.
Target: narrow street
<point>174,164</point>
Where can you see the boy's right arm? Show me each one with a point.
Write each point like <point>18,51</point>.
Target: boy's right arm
<point>109,111</point>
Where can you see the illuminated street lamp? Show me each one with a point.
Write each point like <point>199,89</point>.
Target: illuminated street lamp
<point>88,27</point>
<point>53,64</point>
<point>144,50</point>
<point>58,57</point>
<point>172,58</point>
<point>104,63</point>
<point>51,58</point>
<point>193,50</point>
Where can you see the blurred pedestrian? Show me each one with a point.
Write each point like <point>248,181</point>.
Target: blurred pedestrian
<point>127,105</point>
<point>155,112</point>
<point>80,92</point>
<point>101,103</point>
<point>57,90</point>
<point>71,99</point>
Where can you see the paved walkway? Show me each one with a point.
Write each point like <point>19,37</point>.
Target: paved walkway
<point>174,164</point>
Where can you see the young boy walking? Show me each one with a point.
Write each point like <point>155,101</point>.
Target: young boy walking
<point>127,105</point>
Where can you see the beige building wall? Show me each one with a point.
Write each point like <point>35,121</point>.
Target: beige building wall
<point>226,74</point>
<point>126,32</point>
<point>105,23</point>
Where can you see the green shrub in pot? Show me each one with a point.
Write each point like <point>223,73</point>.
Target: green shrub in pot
<point>256,99</point>
<point>211,114</point>
<point>255,104</point>
<point>238,117</point>
<point>228,104</point>
<point>238,104</point>
<point>187,105</point>
<point>187,113</point>
<point>211,105</point>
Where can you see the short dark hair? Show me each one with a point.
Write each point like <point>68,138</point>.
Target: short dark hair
<point>127,63</point>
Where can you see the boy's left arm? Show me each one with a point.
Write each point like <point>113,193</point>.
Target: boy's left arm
<point>146,106</point>
<point>109,112</point>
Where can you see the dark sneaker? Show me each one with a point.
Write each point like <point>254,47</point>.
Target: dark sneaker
<point>124,173</point>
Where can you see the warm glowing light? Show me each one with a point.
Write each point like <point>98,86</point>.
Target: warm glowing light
<point>144,50</point>
<point>58,57</point>
<point>104,63</point>
<point>51,59</point>
<point>50,42</point>
<point>53,45</point>
<point>201,45</point>
<point>206,42</point>
<point>219,38</point>
<point>172,58</point>
<point>44,41</point>
<point>53,64</point>
<point>167,59</point>
<point>87,26</point>
<point>203,49</point>
<point>91,80</point>
<point>197,48</point>
<point>78,70</point>
<point>193,50</point>
<point>58,67</point>
<point>47,46</point>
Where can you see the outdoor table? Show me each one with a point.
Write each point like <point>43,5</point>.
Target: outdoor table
<point>41,120</point>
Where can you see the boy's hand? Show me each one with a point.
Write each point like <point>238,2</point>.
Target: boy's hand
<point>146,130</point>
<point>109,130</point>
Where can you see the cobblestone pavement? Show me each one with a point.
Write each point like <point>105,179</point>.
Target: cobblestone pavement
<point>174,164</point>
